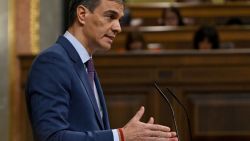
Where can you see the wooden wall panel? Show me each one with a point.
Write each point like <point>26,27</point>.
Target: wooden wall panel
<point>222,113</point>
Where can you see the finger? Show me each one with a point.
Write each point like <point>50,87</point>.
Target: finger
<point>160,134</point>
<point>139,114</point>
<point>173,139</point>
<point>157,127</point>
<point>158,139</point>
<point>153,139</point>
<point>174,134</point>
<point>151,120</point>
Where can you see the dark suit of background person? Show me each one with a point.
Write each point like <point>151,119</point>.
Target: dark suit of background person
<point>62,104</point>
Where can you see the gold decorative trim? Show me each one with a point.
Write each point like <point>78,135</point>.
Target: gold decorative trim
<point>34,26</point>
<point>11,62</point>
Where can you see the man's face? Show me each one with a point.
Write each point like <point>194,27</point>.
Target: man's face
<point>102,25</point>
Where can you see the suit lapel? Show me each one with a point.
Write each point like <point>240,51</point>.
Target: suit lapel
<point>81,71</point>
<point>102,102</point>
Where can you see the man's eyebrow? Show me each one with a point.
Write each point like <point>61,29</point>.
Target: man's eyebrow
<point>112,12</point>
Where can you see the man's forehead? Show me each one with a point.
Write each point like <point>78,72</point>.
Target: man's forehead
<point>119,8</point>
<point>119,1</point>
<point>115,12</point>
<point>116,1</point>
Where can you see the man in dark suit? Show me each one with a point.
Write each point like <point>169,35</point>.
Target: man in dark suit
<point>64,97</point>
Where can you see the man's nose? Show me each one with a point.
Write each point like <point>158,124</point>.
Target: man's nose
<point>117,27</point>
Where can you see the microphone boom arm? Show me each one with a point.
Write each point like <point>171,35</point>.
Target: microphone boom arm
<point>171,107</point>
<point>173,114</point>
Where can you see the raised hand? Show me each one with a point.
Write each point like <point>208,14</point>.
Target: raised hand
<point>135,130</point>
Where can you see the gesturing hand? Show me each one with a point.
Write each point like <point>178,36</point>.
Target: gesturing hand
<point>135,130</point>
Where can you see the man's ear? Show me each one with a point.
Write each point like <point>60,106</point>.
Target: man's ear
<point>81,13</point>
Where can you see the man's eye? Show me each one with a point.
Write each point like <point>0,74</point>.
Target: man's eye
<point>111,17</point>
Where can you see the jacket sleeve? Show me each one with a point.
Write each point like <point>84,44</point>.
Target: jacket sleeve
<point>48,98</point>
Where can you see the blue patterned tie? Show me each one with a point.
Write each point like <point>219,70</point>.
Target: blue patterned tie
<point>91,72</point>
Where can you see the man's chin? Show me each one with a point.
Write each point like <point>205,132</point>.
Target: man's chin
<point>104,48</point>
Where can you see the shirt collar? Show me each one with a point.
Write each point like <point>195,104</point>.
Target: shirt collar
<point>81,50</point>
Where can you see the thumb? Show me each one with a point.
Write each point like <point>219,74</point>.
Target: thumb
<point>139,114</point>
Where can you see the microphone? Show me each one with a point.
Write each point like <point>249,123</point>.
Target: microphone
<point>173,113</point>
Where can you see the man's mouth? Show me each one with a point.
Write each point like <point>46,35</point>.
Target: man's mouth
<point>111,38</point>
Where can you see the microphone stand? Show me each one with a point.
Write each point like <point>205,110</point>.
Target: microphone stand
<point>179,102</point>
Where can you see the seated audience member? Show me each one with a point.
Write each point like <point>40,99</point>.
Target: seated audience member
<point>206,37</point>
<point>135,41</point>
<point>171,17</point>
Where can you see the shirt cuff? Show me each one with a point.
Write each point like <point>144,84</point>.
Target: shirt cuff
<point>115,135</point>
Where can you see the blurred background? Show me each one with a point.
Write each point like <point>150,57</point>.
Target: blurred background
<point>197,48</point>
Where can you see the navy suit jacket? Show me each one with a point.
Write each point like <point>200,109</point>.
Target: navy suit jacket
<point>60,101</point>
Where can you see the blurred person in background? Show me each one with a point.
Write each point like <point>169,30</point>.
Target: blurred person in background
<point>135,41</point>
<point>171,17</point>
<point>206,37</point>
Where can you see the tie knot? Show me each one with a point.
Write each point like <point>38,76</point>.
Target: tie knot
<point>90,65</point>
